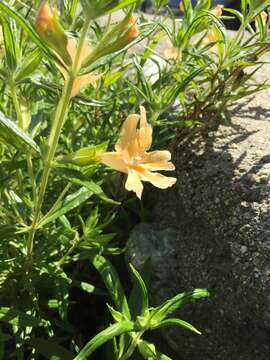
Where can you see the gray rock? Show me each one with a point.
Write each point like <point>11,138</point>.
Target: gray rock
<point>222,214</point>
<point>147,240</point>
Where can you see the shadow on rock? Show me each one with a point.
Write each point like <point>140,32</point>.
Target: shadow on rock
<point>220,213</point>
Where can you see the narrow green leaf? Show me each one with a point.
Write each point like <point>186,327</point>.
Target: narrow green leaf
<point>69,203</point>
<point>12,134</point>
<point>176,322</point>
<point>103,337</point>
<point>10,44</point>
<point>142,288</point>
<point>29,65</point>
<point>112,282</point>
<point>73,7</point>
<point>113,77</point>
<point>177,302</point>
<point>122,4</point>
<point>18,318</point>
<point>50,349</point>
<point>117,316</point>
<point>134,300</point>
<point>97,8</point>
<point>78,178</point>
<point>149,352</point>
<point>145,31</point>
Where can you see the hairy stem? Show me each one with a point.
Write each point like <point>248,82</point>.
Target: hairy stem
<point>59,118</point>
<point>28,151</point>
<point>135,339</point>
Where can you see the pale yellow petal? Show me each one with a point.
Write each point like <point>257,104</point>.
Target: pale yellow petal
<point>158,160</point>
<point>217,11</point>
<point>128,139</point>
<point>145,132</point>
<point>134,183</point>
<point>82,81</point>
<point>210,37</point>
<point>171,53</point>
<point>72,47</point>
<point>86,51</point>
<point>113,160</point>
<point>158,180</point>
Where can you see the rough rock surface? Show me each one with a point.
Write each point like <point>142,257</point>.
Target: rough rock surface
<point>221,210</point>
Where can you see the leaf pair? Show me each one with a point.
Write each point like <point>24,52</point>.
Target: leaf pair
<point>148,318</point>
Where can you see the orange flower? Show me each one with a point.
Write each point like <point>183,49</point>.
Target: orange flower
<point>217,11</point>
<point>171,53</point>
<point>131,156</point>
<point>83,80</point>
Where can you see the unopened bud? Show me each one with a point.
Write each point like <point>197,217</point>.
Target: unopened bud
<point>85,156</point>
<point>181,7</point>
<point>44,19</point>
<point>264,17</point>
<point>51,31</point>
<point>119,37</point>
<point>133,31</point>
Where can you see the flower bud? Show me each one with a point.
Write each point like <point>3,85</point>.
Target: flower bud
<point>116,39</point>
<point>133,31</point>
<point>51,31</point>
<point>85,156</point>
<point>264,17</point>
<point>181,7</point>
<point>129,32</point>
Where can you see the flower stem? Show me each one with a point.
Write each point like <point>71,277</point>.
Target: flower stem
<point>75,241</point>
<point>135,339</point>
<point>59,118</point>
<point>23,127</point>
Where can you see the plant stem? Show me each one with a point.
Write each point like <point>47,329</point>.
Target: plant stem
<point>76,241</point>
<point>55,205</point>
<point>133,345</point>
<point>59,118</point>
<point>28,151</point>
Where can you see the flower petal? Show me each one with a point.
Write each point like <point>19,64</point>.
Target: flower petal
<point>134,183</point>
<point>86,51</point>
<point>128,139</point>
<point>145,132</point>
<point>158,180</point>
<point>72,48</point>
<point>82,81</point>
<point>158,160</point>
<point>113,160</point>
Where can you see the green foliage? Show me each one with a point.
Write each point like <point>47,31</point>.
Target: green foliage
<point>12,134</point>
<point>64,218</point>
